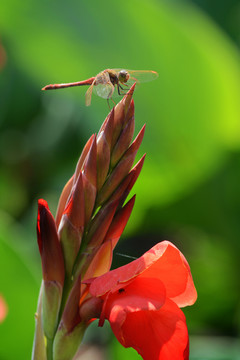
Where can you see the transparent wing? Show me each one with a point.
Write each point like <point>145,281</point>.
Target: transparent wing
<point>88,95</point>
<point>102,78</point>
<point>143,75</point>
<point>105,91</point>
<point>103,86</point>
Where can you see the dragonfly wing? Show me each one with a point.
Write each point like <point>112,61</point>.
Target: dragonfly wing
<point>88,95</point>
<point>102,78</point>
<point>103,86</point>
<point>142,75</point>
<point>105,91</point>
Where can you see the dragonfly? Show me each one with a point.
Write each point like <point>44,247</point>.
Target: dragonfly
<point>109,82</point>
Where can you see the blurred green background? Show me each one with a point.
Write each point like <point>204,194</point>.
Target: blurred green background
<point>189,189</point>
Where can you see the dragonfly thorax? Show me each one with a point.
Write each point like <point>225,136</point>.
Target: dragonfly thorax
<point>113,77</point>
<point>123,76</point>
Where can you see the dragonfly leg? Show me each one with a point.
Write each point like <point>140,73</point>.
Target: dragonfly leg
<point>121,92</point>
<point>109,104</point>
<point>113,101</point>
<point>119,86</point>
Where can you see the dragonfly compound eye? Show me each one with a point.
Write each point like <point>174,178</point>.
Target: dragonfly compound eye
<point>123,76</point>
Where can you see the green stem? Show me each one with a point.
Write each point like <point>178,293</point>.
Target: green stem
<point>49,349</point>
<point>39,349</point>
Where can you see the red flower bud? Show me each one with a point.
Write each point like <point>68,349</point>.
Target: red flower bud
<point>102,260</point>
<point>108,127</point>
<point>123,142</point>
<point>119,222</point>
<point>83,157</point>
<point>75,206</point>
<point>72,225</point>
<point>63,200</point>
<point>126,185</point>
<point>122,113</point>
<point>121,170</point>
<point>103,159</point>
<point>90,179</point>
<point>95,237</point>
<point>49,245</point>
<point>70,316</point>
<point>100,224</point>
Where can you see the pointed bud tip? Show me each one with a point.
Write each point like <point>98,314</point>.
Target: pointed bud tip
<point>42,204</point>
<point>141,132</point>
<point>82,158</point>
<point>75,205</point>
<point>90,165</point>
<point>132,87</point>
<point>127,100</point>
<point>137,141</point>
<point>49,245</point>
<point>42,213</point>
<point>136,171</point>
<point>133,198</point>
<point>129,205</point>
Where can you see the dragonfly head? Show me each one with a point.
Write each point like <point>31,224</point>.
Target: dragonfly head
<point>123,76</point>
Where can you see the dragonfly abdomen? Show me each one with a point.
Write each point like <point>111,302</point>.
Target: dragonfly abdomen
<point>62,86</point>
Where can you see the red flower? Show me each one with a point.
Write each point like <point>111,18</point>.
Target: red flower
<point>141,301</point>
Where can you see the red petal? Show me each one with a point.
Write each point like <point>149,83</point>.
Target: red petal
<point>165,262</point>
<point>189,296</point>
<point>175,273</point>
<point>139,295</point>
<point>156,335</point>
